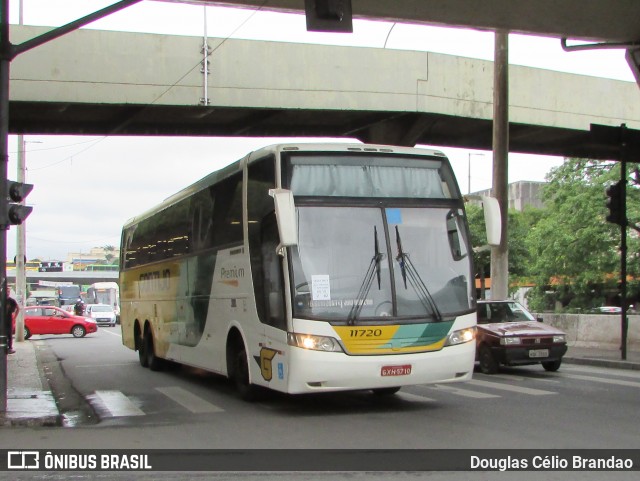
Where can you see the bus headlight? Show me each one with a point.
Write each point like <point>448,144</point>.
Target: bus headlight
<point>461,336</point>
<point>314,343</point>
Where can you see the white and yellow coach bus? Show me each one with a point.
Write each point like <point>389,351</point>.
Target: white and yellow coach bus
<point>307,268</point>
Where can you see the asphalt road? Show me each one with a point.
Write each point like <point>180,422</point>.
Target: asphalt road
<point>110,402</point>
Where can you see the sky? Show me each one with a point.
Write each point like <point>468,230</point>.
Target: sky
<point>86,187</point>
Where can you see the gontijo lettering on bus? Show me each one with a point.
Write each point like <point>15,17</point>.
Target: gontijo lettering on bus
<point>155,281</point>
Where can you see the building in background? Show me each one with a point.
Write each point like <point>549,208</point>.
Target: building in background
<point>81,261</point>
<point>522,194</point>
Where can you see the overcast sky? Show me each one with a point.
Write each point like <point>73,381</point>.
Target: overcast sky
<point>86,187</point>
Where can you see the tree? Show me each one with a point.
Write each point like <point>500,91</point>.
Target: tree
<point>574,251</point>
<point>519,224</point>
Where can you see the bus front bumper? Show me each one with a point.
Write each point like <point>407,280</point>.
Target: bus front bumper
<point>316,371</point>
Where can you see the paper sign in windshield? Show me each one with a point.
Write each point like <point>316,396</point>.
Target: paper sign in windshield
<point>320,288</point>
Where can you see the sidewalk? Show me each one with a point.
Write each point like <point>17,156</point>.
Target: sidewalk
<point>29,403</point>
<point>602,357</point>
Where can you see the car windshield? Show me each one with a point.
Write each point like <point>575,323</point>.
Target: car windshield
<point>502,312</point>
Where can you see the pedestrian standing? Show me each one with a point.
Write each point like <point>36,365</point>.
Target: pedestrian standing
<point>12,310</point>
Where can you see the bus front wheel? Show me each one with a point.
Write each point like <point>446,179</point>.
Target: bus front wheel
<point>241,379</point>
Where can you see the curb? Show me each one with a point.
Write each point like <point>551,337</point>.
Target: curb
<point>587,361</point>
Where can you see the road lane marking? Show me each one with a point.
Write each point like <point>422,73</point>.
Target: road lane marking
<point>617,382</point>
<point>413,397</point>
<point>510,377</point>
<point>118,404</point>
<point>112,333</point>
<point>462,392</point>
<point>193,403</point>
<point>603,370</point>
<point>509,387</point>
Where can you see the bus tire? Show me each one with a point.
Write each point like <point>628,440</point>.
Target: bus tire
<point>385,391</point>
<point>153,361</point>
<point>246,390</point>
<point>142,349</point>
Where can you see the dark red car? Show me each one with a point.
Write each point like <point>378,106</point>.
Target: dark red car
<point>508,334</point>
<point>53,320</point>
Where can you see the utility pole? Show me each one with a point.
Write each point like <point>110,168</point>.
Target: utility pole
<point>500,254</point>
<point>21,256</point>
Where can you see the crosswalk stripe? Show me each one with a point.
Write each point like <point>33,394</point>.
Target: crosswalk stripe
<point>463,392</point>
<point>509,387</point>
<point>617,382</point>
<point>193,403</point>
<point>118,404</point>
<point>413,397</point>
<point>603,370</point>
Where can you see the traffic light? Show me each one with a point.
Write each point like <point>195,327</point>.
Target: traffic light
<point>329,16</point>
<point>616,203</point>
<point>16,212</point>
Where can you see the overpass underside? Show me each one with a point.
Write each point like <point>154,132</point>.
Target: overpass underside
<point>397,128</point>
<point>113,83</point>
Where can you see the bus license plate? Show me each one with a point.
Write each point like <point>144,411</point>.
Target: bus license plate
<point>539,353</point>
<point>403,370</point>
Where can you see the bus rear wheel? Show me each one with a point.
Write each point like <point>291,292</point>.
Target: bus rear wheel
<point>142,350</point>
<point>153,361</point>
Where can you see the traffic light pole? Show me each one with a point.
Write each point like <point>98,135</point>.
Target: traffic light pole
<point>8,52</point>
<point>5,61</point>
<point>623,263</point>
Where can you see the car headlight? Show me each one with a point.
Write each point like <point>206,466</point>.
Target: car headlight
<point>559,338</point>
<point>509,341</point>
<point>314,343</point>
<point>461,336</point>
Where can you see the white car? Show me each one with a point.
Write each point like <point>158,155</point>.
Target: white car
<point>101,313</point>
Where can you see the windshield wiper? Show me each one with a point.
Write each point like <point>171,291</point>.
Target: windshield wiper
<point>365,287</point>
<point>409,271</point>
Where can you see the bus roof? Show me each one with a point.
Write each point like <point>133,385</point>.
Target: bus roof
<point>236,166</point>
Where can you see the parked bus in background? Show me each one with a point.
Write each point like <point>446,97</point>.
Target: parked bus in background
<point>105,293</point>
<point>307,268</point>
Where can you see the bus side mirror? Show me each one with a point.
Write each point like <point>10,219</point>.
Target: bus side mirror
<point>286,217</point>
<point>492,220</point>
<point>492,217</point>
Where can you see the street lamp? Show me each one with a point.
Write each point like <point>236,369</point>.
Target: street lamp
<point>21,277</point>
<point>469,171</point>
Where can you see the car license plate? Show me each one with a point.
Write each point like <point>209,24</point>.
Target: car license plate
<point>539,353</point>
<point>403,370</point>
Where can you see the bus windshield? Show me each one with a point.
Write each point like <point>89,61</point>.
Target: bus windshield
<point>423,271</point>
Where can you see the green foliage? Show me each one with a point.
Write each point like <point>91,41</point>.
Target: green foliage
<point>574,251</point>
<point>567,250</point>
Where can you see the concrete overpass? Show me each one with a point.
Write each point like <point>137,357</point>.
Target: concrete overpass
<point>77,277</point>
<point>101,82</point>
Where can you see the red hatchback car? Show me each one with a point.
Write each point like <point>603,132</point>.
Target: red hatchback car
<point>53,320</point>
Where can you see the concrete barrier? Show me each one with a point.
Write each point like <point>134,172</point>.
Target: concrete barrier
<point>595,330</point>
